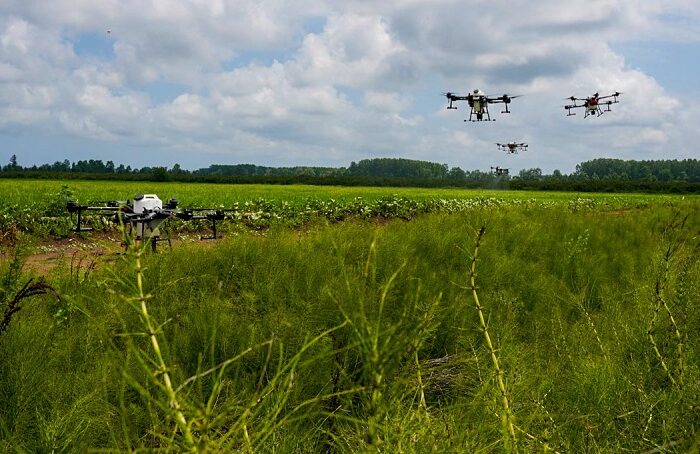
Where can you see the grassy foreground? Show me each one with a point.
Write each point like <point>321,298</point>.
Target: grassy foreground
<point>581,334</point>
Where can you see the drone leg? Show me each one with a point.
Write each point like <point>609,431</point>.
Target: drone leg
<point>154,242</point>
<point>214,233</point>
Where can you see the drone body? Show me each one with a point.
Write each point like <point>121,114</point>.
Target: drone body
<point>512,147</point>
<point>479,104</point>
<point>591,104</point>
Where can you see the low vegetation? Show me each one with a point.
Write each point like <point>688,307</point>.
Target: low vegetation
<point>39,207</point>
<point>555,325</point>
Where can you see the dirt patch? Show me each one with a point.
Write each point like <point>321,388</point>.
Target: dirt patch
<point>78,254</point>
<point>84,253</point>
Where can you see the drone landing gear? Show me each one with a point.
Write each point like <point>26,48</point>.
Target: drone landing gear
<point>79,225</point>
<point>214,235</point>
<point>156,239</point>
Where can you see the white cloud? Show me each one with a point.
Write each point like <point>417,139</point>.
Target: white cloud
<point>295,82</point>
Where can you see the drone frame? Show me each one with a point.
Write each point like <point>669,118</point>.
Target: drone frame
<point>479,104</point>
<point>592,104</point>
<point>500,171</point>
<point>512,148</point>
<point>148,223</point>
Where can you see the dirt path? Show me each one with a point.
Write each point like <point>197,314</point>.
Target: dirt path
<point>77,253</point>
<point>80,254</point>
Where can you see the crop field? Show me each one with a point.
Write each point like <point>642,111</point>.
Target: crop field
<point>38,206</point>
<point>356,320</point>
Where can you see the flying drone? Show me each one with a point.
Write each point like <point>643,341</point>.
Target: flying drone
<point>499,171</point>
<point>144,216</point>
<point>512,147</point>
<point>592,104</point>
<point>479,103</point>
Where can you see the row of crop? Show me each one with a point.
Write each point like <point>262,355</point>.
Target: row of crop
<point>53,219</point>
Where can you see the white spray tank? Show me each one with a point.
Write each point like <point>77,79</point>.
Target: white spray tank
<point>147,203</point>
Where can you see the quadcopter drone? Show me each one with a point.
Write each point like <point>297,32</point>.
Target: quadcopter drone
<point>145,215</point>
<point>479,103</point>
<point>499,171</point>
<point>512,147</point>
<point>592,104</point>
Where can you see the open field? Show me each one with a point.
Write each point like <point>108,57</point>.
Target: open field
<point>573,327</point>
<point>38,206</point>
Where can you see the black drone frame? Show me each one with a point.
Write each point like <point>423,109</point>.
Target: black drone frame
<point>111,208</point>
<point>592,105</point>
<point>123,213</point>
<point>210,214</point>
<point>512,148</point>
<point>500,171</point>
<point>483,101</point>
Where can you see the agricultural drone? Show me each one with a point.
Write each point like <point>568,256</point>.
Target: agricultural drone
<point>512,147</point>
<point>499,171</point>
<point>479,103</point>
<point>592,104</point>
<point>145,215</point>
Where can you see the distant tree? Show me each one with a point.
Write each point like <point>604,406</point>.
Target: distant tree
<point>12,166</point>
<point>531,174</point>
<point>159,174</point>
<point>456,173</point>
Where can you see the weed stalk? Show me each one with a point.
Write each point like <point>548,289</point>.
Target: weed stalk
<point>162,368</point>
<point>507,414</point>
<point>660,303</point>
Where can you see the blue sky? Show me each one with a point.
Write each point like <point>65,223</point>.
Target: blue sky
<point>324,83</point>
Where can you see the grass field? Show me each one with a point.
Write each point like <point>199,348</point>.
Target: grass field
<point>572,327</point>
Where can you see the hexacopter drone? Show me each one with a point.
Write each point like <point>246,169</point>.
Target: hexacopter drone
<point>479,103</point>
<point>499,171</point>
<point>145,215</point>
<point>512,147</point>
<point>592,104</point>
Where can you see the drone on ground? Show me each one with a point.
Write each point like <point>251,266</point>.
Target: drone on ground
<point>512,147</point>
<point>144,216</point>
<point>479,103</point>
<point>499,171</point>
<point>592,104</point>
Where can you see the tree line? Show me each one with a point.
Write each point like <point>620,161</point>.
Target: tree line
<point>595,175</point>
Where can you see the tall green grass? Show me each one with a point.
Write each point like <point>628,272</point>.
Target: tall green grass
<point>364,336</point>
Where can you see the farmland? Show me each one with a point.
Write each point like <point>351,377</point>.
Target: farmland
<point>39,206</point>
<point>359,320</point>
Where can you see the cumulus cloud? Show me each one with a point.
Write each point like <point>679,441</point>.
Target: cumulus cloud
<point>299,82</point>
